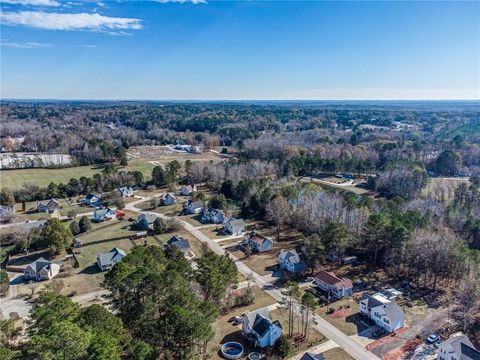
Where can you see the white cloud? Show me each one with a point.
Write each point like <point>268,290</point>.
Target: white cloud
<point>78,21</point>
<point>25,45</point>
<point>32,2</point>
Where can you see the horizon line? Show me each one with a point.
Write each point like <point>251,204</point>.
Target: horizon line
<point>209,100</point>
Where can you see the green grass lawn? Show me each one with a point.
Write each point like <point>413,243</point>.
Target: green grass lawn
<point>15,179</point>
<point>97,241</point>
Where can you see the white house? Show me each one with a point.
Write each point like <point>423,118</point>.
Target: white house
<point>290,260</point>
<point>258,243</point>
<point>211,215</point>
<point>105,261</point>
<point>382,308</point>
<point>193,207</point>
<point>48,206</point>
<point>186,190</point>
<point>145,221</point>
<point>234,226</point>
<point>41,269</point>
<point>168,199</point>
<point>333,285</point>
<point>125,191</point>
<point>93,200</point>
<point>457,347</point>
<point>6,211</point>
<point>259,329</point>
<point>103,214</point>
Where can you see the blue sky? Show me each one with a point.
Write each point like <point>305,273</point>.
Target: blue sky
<point>240,50</point>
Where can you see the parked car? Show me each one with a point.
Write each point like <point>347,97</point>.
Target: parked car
<point>433,338</point>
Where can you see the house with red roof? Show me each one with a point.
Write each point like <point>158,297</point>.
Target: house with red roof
<point>333,285</point>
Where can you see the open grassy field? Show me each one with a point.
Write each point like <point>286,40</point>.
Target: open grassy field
<point>15,179</point>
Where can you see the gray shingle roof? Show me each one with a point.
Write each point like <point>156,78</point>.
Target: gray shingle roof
<point>150,218</point>
<point>311,356</point>
<point>111,257</point>
<point>39,264</point>
<point>179,242</point>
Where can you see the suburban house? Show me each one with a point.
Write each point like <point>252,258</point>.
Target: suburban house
<point>125,191</point>
<point>93,200</point>
<point>105,261</point>
<point>215,216</point>
<point>103,214</point>
<point>41,269</point>
<point>182,245</point>
<point>145,221</point>
<point>382,308</point>
<point>312,356</point>
<point>168,199</point>
<point>259,329</point>
<point>333,285</point>
<point>258,243</point>
<point>186,190</point>
<point>234,226</point>
<point>192,207</point>
<point>48,206</point>
<point>457,347</point>
<point>290,260</point>
<point>6,211</point>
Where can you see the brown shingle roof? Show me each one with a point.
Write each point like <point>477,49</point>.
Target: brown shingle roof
<point>331,279</point>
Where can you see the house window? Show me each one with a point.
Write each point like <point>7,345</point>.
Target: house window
<point>377,315</point>
<point>386,321</point>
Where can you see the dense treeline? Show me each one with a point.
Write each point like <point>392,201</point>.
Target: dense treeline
<point>359,137</point>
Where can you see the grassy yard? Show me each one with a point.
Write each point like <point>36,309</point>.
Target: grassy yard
<point>225,331</point>
<point>348,320</point>
<point>337,354</point>
<point>314,336</point>
<point>264,263</point>
<point>15,179</point>
<point>100,240</point>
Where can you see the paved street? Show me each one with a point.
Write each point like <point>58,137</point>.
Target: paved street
<point>344,341</point>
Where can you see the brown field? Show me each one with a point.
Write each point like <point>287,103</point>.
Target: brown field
<point>337,354</point>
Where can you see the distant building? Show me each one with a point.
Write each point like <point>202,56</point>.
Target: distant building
<point>125,191</point>
<point>259,329</point>
<point>93,200</point>
<point>214,216</point>
<point>103,214</point>
<point>182,245</point>
<point>41,269</point>
<point>193,207</point>
<point>334,286</point>
<point>105,261</point>
<point>48,206</point>
<point>145,221</point>
<point>234,226</point>
<point>258,243</point>
<point>290,260</point>
<point>457,347</point>
<point>382,308</point>
<point>6,212</point>
<point>168,199</point>
<point>187,190</point>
